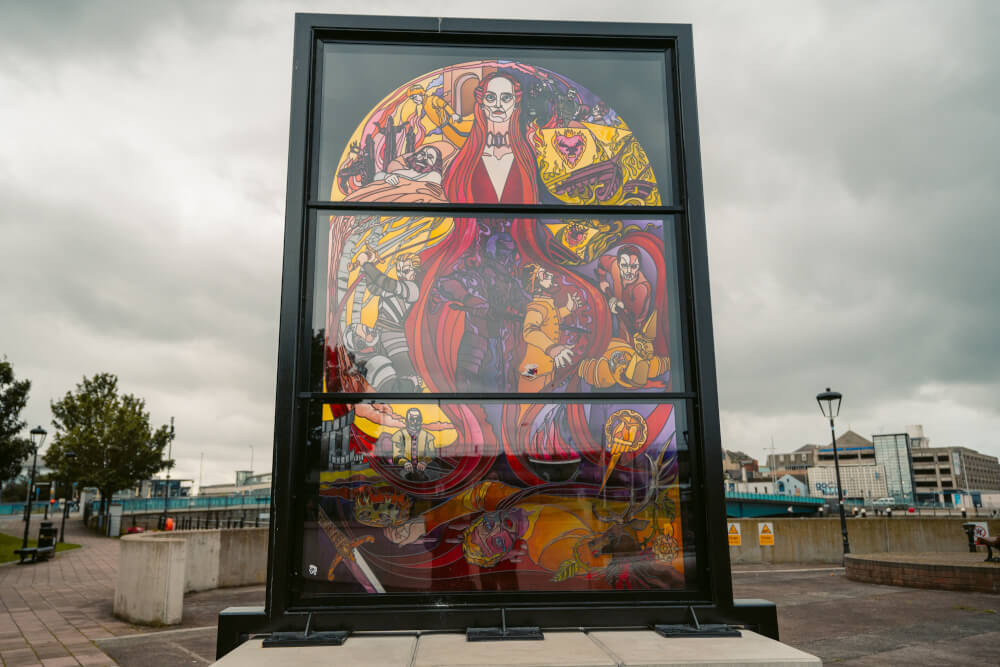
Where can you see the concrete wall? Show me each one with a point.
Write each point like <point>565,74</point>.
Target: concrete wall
<point>150,586</point>
<point>203,558</point>
<point>156,569</point>
<point>242,557</point>
<point>813,540</point>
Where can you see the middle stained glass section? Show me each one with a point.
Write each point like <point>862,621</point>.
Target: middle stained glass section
<point>421,304</point>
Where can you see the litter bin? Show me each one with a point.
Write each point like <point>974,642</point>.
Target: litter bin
<point>47,535</point>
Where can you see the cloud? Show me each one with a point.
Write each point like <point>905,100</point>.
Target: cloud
<point>849,156</point>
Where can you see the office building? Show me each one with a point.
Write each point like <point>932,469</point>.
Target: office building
<point>941,473</point>
<point>852,449</point>
<point>917,438</point>
<point>892,453</point>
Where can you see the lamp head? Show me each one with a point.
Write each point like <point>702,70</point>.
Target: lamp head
<point>37,436</point>
<point>829,403</point>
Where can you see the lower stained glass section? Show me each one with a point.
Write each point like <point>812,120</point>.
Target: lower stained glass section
<point>440,496</point>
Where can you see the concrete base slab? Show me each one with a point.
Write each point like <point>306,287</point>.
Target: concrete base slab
<point>558,649</point>
<point>374,651</point>
<point>648,649</point>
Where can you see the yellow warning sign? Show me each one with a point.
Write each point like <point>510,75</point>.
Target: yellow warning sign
<point>735,538</point>
<point>765,534</point>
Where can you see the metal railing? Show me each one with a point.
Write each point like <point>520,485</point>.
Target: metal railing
<point>9,509</point>
<point>141,505</point>
<point>774,497</point>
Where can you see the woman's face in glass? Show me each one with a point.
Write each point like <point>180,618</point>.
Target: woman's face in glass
<point>498,102</point>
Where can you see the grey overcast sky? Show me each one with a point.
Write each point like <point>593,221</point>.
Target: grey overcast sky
<point>851,168</point>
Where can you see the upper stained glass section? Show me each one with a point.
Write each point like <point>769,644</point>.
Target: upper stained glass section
<point>495,132</point>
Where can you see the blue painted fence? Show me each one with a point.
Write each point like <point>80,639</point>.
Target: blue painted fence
<point>774,498</point>
<point>132,505</point>
<point>9,509</point>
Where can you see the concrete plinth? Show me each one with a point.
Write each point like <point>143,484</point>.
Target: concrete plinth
<point>558,649</point>
<point>150,587</point>
<point>648,649</point>
<point>157,569</point>
<point>370,651</point>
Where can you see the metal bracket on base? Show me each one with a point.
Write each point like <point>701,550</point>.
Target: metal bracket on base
<point>504,633</point>
<point>307,637</point>
<point>696,629</point>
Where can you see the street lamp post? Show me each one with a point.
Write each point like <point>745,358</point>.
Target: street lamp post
<point>37,438</point>
<point>69,456</point>
<point>829,404</point>
<point>166,491</point>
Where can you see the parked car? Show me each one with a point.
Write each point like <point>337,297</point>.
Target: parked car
<point>884,502</point>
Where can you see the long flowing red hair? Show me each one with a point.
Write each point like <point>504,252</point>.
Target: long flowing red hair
<point>458,181</point>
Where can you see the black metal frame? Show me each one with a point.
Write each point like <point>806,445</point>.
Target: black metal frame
<point>712,595</point>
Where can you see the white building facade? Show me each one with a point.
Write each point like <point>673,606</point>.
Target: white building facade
<point>862,482</point>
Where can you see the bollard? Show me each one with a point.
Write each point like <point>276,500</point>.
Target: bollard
<point>970,531</point>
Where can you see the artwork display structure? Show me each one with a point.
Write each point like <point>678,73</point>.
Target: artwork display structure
<point>496,401</point>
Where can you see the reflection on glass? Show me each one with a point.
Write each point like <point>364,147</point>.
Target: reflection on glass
<point>529,497</point>
<point>494,131</point>
<point>430,304</point>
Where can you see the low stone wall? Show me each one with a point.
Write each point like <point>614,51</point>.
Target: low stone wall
<point>156,569</point>
<point>814,540</point>
<point>947,571</point>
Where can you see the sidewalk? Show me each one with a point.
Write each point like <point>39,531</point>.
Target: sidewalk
<point>51,613</point>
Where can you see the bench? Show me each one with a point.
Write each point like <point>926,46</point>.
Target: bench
<point>36,553</point>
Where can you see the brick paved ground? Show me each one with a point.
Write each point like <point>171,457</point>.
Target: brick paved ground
<point>59,613</point>
<point>51,613</point>
<point>846,622</point>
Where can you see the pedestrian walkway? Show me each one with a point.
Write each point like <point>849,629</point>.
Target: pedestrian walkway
<point>51,613</point>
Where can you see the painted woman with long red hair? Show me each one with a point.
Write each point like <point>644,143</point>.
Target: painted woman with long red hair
<point>495,165</point>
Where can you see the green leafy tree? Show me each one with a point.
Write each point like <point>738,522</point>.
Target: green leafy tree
<point>110,434</point>
<point>13,398</point>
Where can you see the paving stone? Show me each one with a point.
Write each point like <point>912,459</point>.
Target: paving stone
<point>67,661</point>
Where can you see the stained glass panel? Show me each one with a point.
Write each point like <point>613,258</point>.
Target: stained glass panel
<point>421,304</point>
<point>448,496</point>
